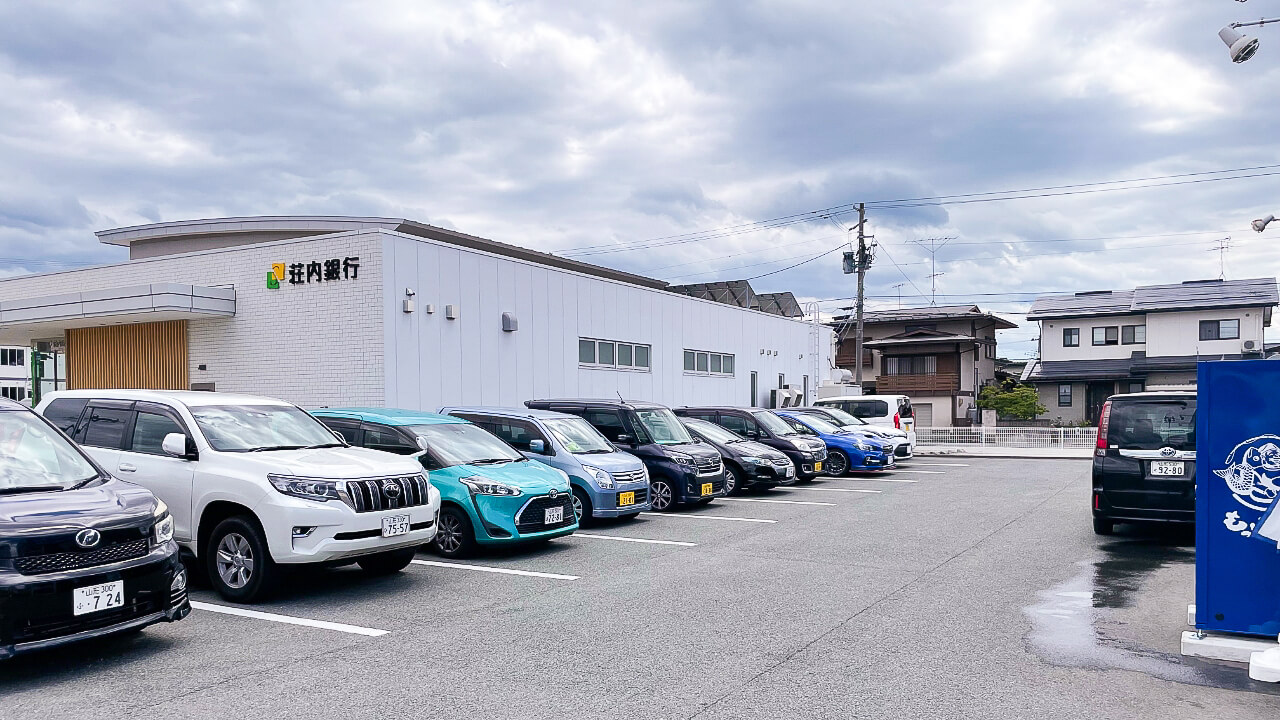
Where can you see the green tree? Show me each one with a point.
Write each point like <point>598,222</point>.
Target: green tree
<point>1017,402</point>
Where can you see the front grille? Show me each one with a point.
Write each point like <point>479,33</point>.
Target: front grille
<point>62,561</point>
<point>695,488</point>
<point>781,462</point>
<point>629,476</point>
<point>67,624</point>
<point>532,516</point>
<point>371,495</point>
<point>707,465</point>
<point>642,496</point>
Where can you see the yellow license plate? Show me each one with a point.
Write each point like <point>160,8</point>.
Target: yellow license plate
<point>626,498</point>
<point>706,488</point>
<point>817,467</point>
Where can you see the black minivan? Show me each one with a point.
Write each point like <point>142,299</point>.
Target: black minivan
<point>767,428</point>
<point>82,554</point>
<point>1144,465</point>
<point>681,470</point>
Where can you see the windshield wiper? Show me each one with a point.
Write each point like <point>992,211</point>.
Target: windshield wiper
<point>84,482</point>
<point>321,445</point>
<point>30,488</point>
<point>276,447</point>
<point>493,461</point>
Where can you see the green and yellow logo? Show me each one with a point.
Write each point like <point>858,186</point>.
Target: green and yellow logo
<point>275,276</point>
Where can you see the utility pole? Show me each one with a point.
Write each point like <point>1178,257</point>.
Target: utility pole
<point>863,261</point>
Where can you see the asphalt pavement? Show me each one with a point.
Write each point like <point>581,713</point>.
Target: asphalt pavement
<point>949,588</point>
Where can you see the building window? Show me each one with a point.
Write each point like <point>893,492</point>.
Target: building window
<point>612,354</point>
<point>1070,337</point>
<point>1219,329</point>
<point>699,362</point>
<point>14,393</point>
<point>12,356</point>
<point>911,365</point>
<point>1064,395</point>
<point>989,350</point>
<point>1137,386</point>
<point>1106,335</point>
<point>1133,334</point>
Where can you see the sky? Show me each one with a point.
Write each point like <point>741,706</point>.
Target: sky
<point>655,137</point>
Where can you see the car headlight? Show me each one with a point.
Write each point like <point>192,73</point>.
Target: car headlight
<point>305,488</point>
<point>681,458</point>
<point>484,486</point>
<point>864,447</point>
<point>162,531</point>
<point>755,461</point>
<point>601,478</point>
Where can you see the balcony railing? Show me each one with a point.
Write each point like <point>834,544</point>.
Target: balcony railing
<point>937,383</point>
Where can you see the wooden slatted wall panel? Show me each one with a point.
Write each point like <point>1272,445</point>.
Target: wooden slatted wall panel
<point>143,355</point>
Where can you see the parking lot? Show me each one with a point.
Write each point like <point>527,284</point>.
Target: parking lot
<point>965,588</point>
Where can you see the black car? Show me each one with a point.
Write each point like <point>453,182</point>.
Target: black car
<point>1144,466</point>
<point>747,464</point>
<point>807,453</point>
<point>680,469</point>
<point>82,554</point>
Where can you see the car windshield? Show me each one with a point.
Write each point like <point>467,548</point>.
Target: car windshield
<point>464,444</point>
<point>714,432</point>
<point>254,428</point>
<point>664,427</point>
<point>774,424</point>
<point>820,424</point>
<point>843,417</point>
<point>1152,424</point>
<point>33,456</point>
<point>577,436</point>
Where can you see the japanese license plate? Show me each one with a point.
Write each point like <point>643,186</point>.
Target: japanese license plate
<point>706,489</point>
<point>626,498</point>
<point>96,598</point>
<point>817,467</point>
<point>554,515</point>
<point>789,471</point>
<point>1168,467</point>
<point>395,525</point>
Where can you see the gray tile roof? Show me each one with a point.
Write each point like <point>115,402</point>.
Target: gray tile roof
<point>1190,295</point>
<point>1080,370</point>
<point>927,314</point>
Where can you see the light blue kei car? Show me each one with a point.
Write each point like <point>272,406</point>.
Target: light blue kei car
<point>606,483</point>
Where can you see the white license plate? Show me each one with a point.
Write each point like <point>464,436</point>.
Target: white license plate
<point>96,598</point>
<point>554,515</point>
<point>789,471</point>
<point>1168,467</point>
<point>395,525</point>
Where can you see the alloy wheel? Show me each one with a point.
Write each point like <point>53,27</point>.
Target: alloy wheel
<point>577,506</point>
<point>662,495</point>
<point>730,481</point>
<point>235,560</point>
<point>838,463</point>
<point>449,534</point>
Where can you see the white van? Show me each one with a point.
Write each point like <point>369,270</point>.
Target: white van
<point>885,410</point>
<point>254,482</point>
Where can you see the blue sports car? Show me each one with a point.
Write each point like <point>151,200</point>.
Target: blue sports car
<point>846,450</point>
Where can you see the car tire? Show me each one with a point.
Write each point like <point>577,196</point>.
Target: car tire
<point>387,563</point>
<point>455,537</point>
<point>582,506</point>
<point>730,481</point>
<point>839,463</point>
<point>662,496</point>
<point>238,561</point>
<point>1103,526</point>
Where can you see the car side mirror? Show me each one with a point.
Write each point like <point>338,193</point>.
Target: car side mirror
<point>625,439</point>
<point>178,445</point>
<point>537,446</point>
<point>338,435</point>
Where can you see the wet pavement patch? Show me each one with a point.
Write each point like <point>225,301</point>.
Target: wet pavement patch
<point>1094,620</point>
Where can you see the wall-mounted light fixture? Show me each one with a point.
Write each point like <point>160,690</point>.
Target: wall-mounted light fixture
<point>509,322</point>
<point>408,300</point>
<point>451,312</point>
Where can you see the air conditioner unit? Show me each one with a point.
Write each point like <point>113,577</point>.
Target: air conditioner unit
<point>783,397</point>
<point>1250,345</point>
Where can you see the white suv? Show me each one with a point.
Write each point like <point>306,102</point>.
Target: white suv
<point>254,482</point>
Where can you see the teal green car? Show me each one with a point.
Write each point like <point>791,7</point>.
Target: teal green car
<point>490,494</point>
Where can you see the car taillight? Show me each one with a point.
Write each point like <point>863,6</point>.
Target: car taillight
<point>897,421</point>
<point>1103,420</point>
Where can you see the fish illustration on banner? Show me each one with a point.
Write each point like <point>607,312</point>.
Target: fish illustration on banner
<point>1252,473</point>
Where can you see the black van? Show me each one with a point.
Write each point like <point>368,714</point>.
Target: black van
<point>81,553</point>
<point>681,470</point>
<point>807,452</point>
<point>1144,465</point>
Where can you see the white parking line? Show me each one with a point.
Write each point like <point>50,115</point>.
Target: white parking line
<point>939,464</point>
<point>634,540</point>
<point>288,619</point>
<point>884,479</point>
<point>923,472</point>
<point>778,502</point>
<point>818,489</point>
<point>708,517</point>
<point>488,569</point>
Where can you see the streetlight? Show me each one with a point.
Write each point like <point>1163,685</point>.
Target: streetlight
<point>1241,46</point>
<point>1261,223</point>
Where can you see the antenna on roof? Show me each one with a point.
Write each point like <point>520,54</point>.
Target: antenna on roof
<point>620,396</point>
<point>1223,246</point>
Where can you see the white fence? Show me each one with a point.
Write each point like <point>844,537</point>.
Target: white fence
<point>1010,437</point>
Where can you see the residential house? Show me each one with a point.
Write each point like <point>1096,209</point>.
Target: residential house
<point>940,356</point>
<point>1095,344</point>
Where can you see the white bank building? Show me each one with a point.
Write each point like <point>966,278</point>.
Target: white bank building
<point>332,311</point>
